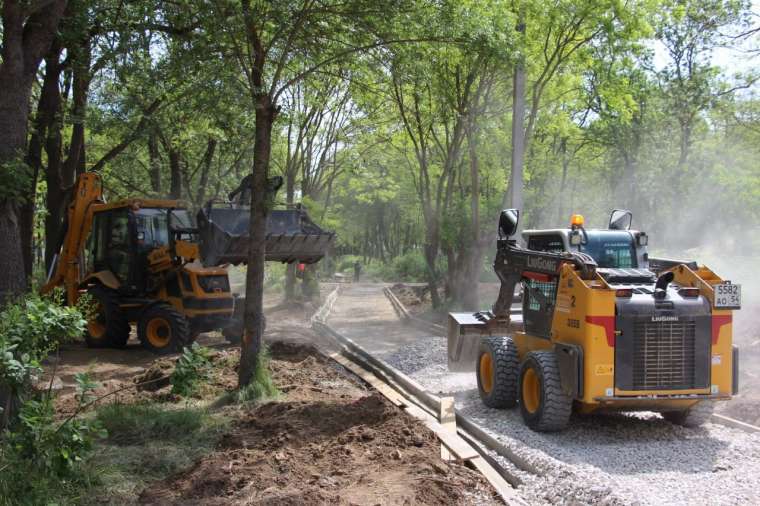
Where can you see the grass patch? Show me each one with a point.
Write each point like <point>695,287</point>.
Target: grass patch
<point>135,423</point>
<point>261,388</point>
<point>145,443</point>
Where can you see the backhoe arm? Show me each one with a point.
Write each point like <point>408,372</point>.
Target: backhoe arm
<point>77,223</point>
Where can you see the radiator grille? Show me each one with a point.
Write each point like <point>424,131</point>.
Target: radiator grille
<point>664,355</point>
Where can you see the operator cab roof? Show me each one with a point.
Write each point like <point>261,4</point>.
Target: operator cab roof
<point>616,252</point>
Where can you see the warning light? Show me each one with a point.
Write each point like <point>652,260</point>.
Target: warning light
<point>576,220</point>
<point>301,267</point>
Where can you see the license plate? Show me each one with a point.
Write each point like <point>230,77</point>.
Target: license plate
<point>727,296</point>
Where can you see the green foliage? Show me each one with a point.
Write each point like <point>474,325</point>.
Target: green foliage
<point>30,329</point>
<point>39,454</point>
<point>192,368</point>
<point>15,180</point>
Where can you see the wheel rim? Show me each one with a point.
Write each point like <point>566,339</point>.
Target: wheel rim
<point>531,391</point>
<point>486,373</point>
<point>97,326</point>
<point>159,332</point>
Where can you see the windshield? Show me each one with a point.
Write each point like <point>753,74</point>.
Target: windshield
<point>611,249</point>
<point>152,226</point>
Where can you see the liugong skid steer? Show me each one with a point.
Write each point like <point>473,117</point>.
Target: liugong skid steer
<point>144,262</point>
<point>604,328</point>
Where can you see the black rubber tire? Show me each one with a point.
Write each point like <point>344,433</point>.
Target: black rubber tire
<point>112,317</point>
<point>694,416</point>
<point>506,364</point>
<point>554,405</point>
<point>178,326</point>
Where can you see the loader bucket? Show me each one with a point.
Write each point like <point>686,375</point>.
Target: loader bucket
<point>465,331</point>
<point>291,236</point>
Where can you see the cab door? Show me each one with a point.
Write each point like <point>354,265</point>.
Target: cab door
<point>111,244</point>
<point>540,290</point>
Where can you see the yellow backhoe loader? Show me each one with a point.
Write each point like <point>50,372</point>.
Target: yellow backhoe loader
<point>144,262</point>
<point>603,327</point>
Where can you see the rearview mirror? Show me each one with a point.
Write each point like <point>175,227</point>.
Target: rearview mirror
<point>620,219</point>
<point>508,222</point>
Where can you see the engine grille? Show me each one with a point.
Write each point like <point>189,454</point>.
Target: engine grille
<point>664,355</point>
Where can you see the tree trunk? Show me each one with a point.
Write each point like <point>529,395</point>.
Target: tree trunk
<point>254,309</point>
<point>175,168</point>
<point>290,270</point>
<point>25,40</point>
<point>432,241</point>
<point>54,176</point>
<point>75,161</point>
<point>208,157</point>
<point>469,298</point>
<point>154,164</point>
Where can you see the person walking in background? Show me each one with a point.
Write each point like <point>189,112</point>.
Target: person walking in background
<point>357,271</point>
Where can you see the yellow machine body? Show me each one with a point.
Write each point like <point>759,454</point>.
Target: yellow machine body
<point>601,327</point>
<point>170,273</point>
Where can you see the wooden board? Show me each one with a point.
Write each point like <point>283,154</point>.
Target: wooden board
<point>505,490</point>
<point>388,392</point>
<point>448,420</point>
<point>458,446</point>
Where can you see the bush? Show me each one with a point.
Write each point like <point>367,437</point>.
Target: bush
<point>192,368</point>
<point>39,456</point>
<point>29,330</point>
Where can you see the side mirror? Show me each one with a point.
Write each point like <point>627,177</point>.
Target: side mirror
<point>508,220</point>
<point>620,219</point>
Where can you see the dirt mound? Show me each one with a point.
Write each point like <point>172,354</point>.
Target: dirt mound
<point>327,441</point>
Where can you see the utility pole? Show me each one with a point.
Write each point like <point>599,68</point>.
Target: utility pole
<point>513,198</point>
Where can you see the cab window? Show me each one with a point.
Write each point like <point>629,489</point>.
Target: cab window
<point>550,243</point>
<point>612,250</point>
<point>153,226</point>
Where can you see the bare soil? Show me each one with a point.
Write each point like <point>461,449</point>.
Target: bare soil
<point>328,439</point>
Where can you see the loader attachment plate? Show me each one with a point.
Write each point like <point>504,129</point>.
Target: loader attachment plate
<point>291,236</point>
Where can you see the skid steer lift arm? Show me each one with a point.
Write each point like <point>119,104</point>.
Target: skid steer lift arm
<point>512,264</point>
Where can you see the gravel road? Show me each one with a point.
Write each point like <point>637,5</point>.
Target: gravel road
<point>602,459</point>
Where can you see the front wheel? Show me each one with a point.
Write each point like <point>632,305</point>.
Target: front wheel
<point>545,407</point>
<point>109,325</point>
<point>162,329</point>
<point>497,368</point>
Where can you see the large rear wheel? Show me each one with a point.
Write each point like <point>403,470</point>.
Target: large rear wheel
<point>109,325</point>
<point>162,329</point>
<point>544,405</point>
<point>496,369</point>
